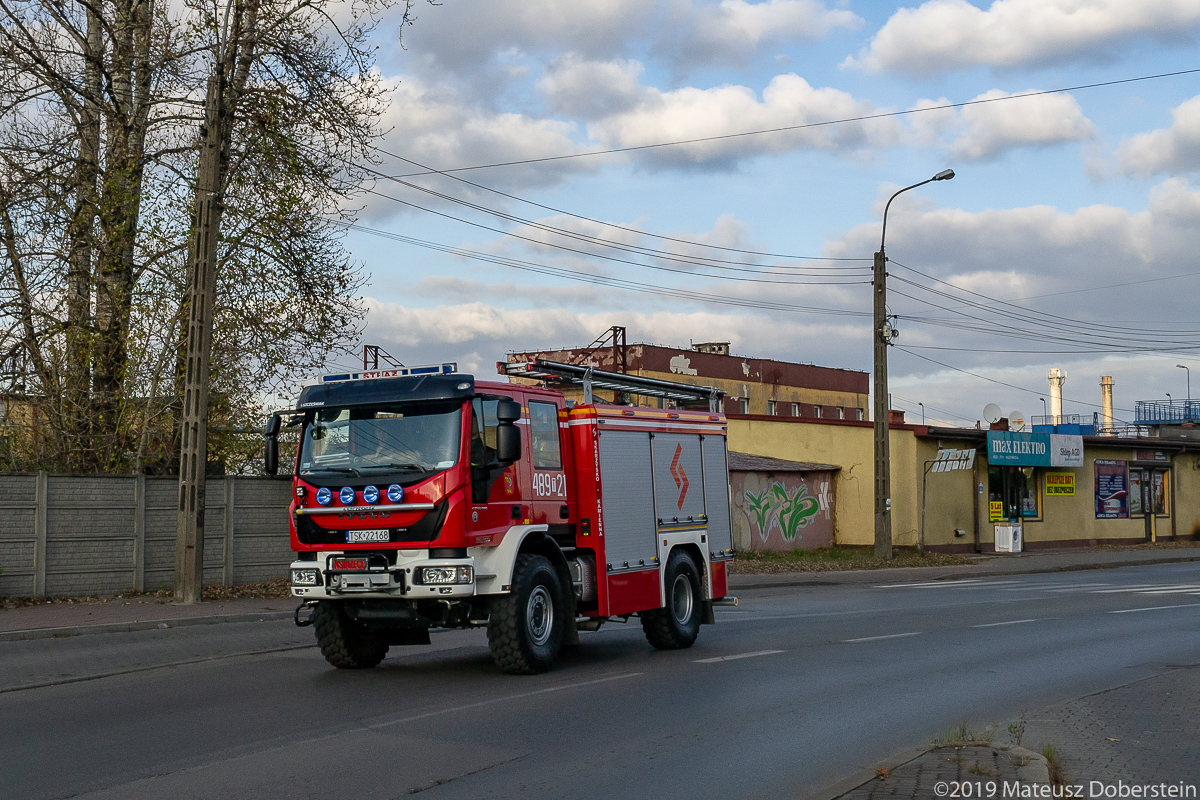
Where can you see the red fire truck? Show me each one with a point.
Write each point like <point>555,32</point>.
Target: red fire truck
<point>426,499</point>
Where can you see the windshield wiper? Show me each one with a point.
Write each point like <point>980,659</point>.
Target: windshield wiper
<point>339,470</point>
<point>417,467</point>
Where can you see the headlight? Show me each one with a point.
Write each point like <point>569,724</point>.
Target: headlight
<point>324,496</point>
<point>306,577</point>
<point>370,494</point>
<point>430,576</point>
<point>395,493</point>
<point>346,495</point>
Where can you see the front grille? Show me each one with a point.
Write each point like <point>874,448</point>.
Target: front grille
<point>423,530</point>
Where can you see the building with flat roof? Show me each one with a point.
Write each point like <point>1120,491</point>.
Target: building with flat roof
<point>752,385</point>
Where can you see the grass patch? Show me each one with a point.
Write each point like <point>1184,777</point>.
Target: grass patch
<point>832,559</point>
<point>961,736</point>
<point>983,772</point>
<point>278,589</point>
<point>1058,775</point>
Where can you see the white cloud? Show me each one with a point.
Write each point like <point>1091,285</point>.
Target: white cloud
<point>788,100</point>
<point>590,89</point>
<point>988,129</point>
<point>736,29</point>
<point>1172,150</point>
<point>944,35</point>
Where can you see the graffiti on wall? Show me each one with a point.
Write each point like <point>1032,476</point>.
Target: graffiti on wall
<point>782,511</point>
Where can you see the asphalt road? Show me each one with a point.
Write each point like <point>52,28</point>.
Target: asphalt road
<point>793,690</point>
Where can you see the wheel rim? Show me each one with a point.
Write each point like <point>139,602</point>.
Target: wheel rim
<point>539,615</point>
<point>681,599</point>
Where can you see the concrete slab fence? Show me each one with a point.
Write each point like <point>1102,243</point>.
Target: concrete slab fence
<point>100,534</point>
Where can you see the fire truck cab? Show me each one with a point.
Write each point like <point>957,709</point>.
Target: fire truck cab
<point>424,498</point>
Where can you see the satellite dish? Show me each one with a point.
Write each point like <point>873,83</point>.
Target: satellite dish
<point>992,413</point>
<point>1016,420</point>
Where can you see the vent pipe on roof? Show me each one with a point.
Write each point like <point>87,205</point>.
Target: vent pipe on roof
<point>1057,378</point>
<point>1106,403</point>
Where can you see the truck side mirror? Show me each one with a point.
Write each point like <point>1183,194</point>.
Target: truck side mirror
<point>271,455</point>
<point>508,411</point>
<point>508,435</point>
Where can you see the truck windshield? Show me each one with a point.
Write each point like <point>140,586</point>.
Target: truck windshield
<point>405,437</point>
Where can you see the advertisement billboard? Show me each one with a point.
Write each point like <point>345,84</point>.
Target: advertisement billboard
<point>1112,490</point>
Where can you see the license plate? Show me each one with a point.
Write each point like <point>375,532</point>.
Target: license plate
<point>383,535</point>
<point>349,563</point>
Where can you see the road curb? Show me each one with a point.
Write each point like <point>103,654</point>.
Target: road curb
<point>745,581</point>
<point>857,779</point>
<point>141,625</point>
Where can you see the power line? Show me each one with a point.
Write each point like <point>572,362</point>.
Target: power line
<point>447,174</point>
<point>824,123</point>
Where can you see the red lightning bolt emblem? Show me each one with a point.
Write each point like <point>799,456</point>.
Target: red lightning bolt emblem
<point>679,475</point>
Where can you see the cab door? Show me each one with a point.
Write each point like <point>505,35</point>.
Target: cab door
<point>496,489</point>
<point>547,464</point>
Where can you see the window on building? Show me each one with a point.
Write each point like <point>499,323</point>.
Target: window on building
<point>543,427</point>
<point>771,408</point>
<point>840,412</point>
<point>858,414</point>
<point>795,409</point>
<point>1017,490</point>
<point>817,412</point>
<point>743,405</point>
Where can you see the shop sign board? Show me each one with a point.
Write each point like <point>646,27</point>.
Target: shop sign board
<point>1061,484</point>
<point>1018,449</point>
<point>1151,455</point>
<point>995,510</point>
<point>950,460</point>
<point>1112,490</point>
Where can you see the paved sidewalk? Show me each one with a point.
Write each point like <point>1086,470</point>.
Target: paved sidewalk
<point>1144,732</point>
<point>1017,563</point>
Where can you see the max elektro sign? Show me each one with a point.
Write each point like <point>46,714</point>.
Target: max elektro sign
<point>1035,449</point>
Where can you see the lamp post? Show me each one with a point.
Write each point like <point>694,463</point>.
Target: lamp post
<point>1187,409</point>
<point>1045,411</point>
<point>922,405</point>
<point>883,335</point>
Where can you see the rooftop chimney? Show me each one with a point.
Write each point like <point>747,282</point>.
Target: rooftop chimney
<point>1057,378</point>
<point>1106,402</point>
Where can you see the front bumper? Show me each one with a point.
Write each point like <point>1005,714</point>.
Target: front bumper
<point>401,579</point>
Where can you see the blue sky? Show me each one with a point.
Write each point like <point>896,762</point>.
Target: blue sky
<point>1053,195</point>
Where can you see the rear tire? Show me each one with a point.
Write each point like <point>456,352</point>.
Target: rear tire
<point>525,629</point>
<point>676,626</point>
<point>345,643</point>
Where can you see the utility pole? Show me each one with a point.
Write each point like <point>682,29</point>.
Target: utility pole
<point>883,478</point>
<point>882,334</point>
<point>193,457</point>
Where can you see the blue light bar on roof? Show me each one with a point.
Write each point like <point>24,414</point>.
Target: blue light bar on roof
<point>431,369</point>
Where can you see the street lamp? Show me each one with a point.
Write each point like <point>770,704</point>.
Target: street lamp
<point>1187,410</point>
<point>883,337</point>
<point>922,405</point>
<point>1045,412</point>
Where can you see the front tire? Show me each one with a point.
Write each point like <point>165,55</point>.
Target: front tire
<point>344,643</point>
<point>525,629</point>
<point>676,626</point>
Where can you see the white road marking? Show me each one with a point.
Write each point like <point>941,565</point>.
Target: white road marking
<point>1154,608</point>
<point>968,583</point>
<point>1010,622</point>
<point>1174,590</point>
<point>1136,588</point>
<point>736,657</point>
<point>888,636</point>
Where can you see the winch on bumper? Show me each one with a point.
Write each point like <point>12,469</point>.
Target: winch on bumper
<point>339,574</point>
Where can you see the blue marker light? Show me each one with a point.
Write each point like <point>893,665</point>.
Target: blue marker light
<point>346,495</point>
<point>395,493</point>
<point>371,494</point>
<point>324,496</point>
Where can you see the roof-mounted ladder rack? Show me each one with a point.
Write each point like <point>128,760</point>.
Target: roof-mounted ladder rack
<point>590,378</point>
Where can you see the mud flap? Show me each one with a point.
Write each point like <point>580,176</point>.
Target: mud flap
<point>709,617</point>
